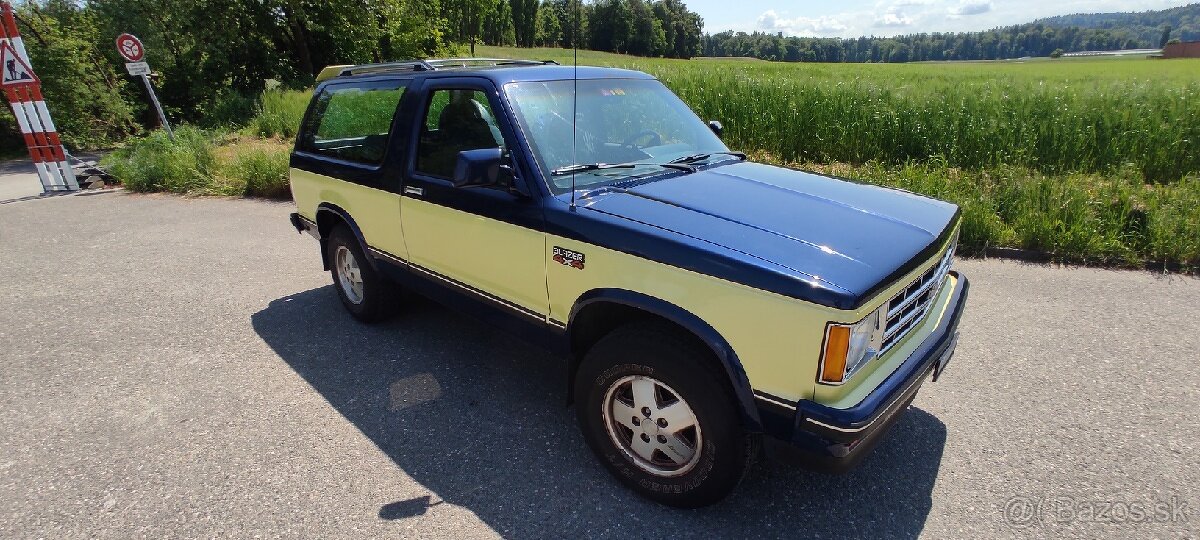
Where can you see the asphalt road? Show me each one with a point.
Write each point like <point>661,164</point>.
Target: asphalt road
<point>182,368</point>
<point>18,181</point>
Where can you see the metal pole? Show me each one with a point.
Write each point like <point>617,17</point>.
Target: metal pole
<point>157,107</point>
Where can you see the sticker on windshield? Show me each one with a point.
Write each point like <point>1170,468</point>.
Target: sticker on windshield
<point>612,92</point>
<point>566,257</point>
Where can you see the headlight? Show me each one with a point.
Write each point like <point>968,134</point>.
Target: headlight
<point>850,346</point>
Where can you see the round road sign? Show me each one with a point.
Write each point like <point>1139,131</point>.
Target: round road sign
<point>130,47</point>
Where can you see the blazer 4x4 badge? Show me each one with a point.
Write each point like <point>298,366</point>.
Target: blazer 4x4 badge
<point>566,257</point>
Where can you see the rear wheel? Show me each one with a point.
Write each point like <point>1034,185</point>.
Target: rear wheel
<point>365,293</point>
<point>660,418</point>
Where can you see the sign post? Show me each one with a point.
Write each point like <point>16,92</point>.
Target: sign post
<point>132,50</point>
<point>24,92</point>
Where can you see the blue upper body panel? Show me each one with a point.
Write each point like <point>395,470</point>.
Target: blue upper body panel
<point>821,239</point>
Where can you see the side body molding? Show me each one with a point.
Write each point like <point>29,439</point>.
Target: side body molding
<point>720,347</point>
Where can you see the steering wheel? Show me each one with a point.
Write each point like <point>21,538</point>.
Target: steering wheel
<point>656,139</point>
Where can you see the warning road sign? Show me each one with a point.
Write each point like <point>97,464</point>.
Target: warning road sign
<point>14,70</point>
<point>130,47</point>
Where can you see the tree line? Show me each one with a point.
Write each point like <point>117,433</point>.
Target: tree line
<point>1069,33</point>
<point>1156,27</point>
<point>212,58</point>
<point>664,28</point>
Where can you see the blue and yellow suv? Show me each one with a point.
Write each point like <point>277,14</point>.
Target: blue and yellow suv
<point>705,304</point>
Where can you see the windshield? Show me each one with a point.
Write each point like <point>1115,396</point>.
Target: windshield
<point>637,123</point>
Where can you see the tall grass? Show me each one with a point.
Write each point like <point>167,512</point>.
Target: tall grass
<point>157,163</point>
<point>280,113</point>
<point>200,162</point>
<point>974,123</point>
<point>258,172</point>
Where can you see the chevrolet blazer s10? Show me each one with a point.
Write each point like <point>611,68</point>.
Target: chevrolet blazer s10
<point>706,304</point>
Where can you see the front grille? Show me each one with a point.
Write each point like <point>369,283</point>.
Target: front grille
<point>910,305</point>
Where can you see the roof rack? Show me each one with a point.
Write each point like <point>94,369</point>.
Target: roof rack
<point>426,65</point>
<point>469,62</point>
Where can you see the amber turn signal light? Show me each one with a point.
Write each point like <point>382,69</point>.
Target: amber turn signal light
<point>837,344</point>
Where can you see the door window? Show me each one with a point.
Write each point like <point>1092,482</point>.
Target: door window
<point>455,120</point>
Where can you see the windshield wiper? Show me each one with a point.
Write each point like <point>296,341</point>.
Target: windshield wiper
<point>581,167</point>
<point>569,169</point>
<point>701,157</point>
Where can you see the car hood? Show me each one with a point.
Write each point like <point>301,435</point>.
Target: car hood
<point>852,236</point>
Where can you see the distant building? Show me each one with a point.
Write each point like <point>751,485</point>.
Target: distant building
<point>1123,52</point>
<point>1187,49</point>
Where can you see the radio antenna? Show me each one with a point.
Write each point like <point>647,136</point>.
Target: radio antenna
<point>574,98</point>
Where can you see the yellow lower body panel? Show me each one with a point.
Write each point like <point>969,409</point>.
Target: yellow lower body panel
<point>774,336</point>
<point>498,258</point>
<point>377,212</point>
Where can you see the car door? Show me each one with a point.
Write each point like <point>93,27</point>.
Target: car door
<point>488,240</point>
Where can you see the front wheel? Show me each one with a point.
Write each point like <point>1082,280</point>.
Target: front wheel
<point>659,418</point>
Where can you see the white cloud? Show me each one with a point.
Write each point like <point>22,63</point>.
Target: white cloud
<point>894,18</point>
<point>971,7</point>
<point>800,26</point>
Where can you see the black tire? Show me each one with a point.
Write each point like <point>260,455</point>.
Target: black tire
<point>378,294</point>
<point>664,354</point>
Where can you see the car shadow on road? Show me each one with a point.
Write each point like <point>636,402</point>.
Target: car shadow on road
<point>480,419</point>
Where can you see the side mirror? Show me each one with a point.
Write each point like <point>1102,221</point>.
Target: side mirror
<point>477,168</point>
<point>716,127</point>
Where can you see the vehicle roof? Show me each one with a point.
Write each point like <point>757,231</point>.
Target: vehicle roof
<point>504,74</point>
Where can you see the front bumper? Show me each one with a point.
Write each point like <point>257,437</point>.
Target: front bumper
<point>835,440</point>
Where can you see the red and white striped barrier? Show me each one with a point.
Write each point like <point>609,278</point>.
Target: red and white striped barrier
<point>23,90</point>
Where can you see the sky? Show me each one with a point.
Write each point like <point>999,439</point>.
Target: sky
<point>853,18</point>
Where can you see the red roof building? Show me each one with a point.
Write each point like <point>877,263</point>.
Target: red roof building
<point>1187,49</point>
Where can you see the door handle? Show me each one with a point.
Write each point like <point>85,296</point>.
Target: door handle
<point>413,190</point>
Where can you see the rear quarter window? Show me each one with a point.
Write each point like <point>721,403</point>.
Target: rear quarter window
<point>351,122</point>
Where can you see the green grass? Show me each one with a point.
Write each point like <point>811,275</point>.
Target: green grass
<point>215,162</point>
<point>200,162</point>
<point>279,113</point>
<point>157,163</point>
<point>257,171</point>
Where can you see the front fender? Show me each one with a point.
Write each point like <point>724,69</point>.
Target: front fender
<point>697,326</point>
